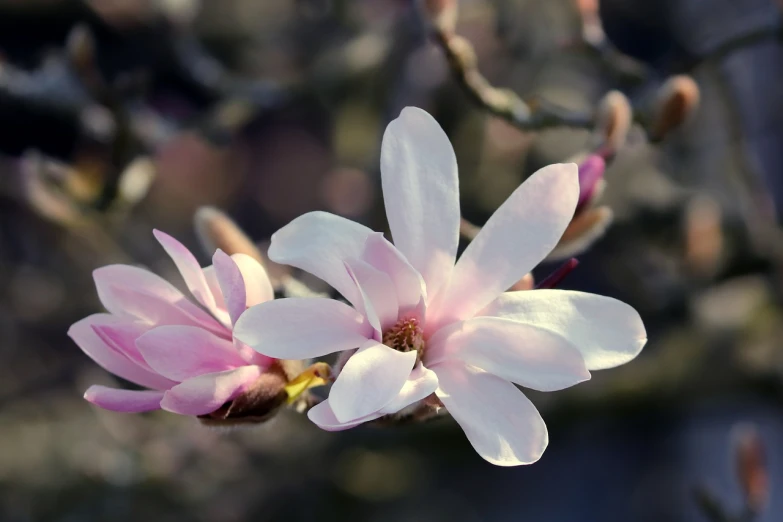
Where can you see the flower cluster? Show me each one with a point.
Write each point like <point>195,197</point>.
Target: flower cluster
<point>419,330</point>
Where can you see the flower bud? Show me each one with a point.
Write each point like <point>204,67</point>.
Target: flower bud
<point>677,99</point>
<point>613,121</point>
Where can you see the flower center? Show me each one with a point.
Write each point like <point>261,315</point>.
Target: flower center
<point>405,336</point>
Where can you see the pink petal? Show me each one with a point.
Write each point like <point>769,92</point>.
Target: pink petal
<point>319,243</point>
<point>121,337</point>
<point>606,331</point>
<point>206,393</point>
<point>189,267</point>
<point>408,284</point>
<point>500,422</point>
<point>128,291</point>
<point>515,239</point>
<point>111,359</point>
<point>302,328</point>
<point>258,287</point>
<point>520,353</point>
<point>182,352</point>
<point>232,284</point>
<point>378,290</point>
<point>371,379</point>
<point>422,382</point>
<point>591,172</point>
<point>421,193</point>
<point>214,287</point>
<point>323,416</point>
<point>125,401</point>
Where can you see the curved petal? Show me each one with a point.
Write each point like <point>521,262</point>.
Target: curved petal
<point>182,352</point>
<point>121,337</point>
<point>129,291</point>
<point>206,393</point>
<point>408,283</point>
<point>525,228</point>
<point>606,331</point>
<point>500,422</point>
<point>302,328</point>
<point>258,287</point>
<point>232,284</point>
<point>371,379</point>
<point>421,193</point>
<point>323,416</point>
<point>518,352</point>
<point>421,383</point>
<point>125,401</point>
<point>214,286</point>
<point>116,362</point>
<point>377,290</point>
<point>189,267</point>
<point>319,243</point>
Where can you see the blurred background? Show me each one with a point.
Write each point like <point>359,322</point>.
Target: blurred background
<point>120,116</point>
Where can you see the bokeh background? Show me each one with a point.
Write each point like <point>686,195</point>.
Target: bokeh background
<point>120,116</point>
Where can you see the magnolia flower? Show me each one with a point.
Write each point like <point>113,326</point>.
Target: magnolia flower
<point>427,329</point>
<point>184,353</point>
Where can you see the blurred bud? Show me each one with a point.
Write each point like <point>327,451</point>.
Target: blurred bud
<point>591,182</point>
<point>613,121</point>
<point>442,14</point>
<point>703,235</point>
<point>467,229</point>
<point>464,52</point>
<point>135,181</point>
<point>80,48</point>
<point>677,99</point>
<point>215,230</point>
<point>751,466</point>
<point>584,230</point>
<point>41,183</point>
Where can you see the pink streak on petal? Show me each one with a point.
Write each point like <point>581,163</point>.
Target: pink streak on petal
<point>206,393</point>
<point>319,243</point>
<point>371,379</point>
<point>232,284</point>
<point>125,401</point>
<point>111,360</point>
<point>515,239</point>
<point>323,416</point>
<point>408,283</point>
<point>421,193</point>
<point>521,353</point>
<point>189,267</point>
<point>258,287</point>
<point>500,422</point>
<point>182,352</point>
<point>302,328</point>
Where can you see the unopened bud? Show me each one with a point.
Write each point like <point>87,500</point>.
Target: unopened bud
<point>215,230</point>
<point>135,180</point>
<point>751,467</point>
<point>442,14</point>
<point>613,121</point>
<point>591,173</point>
<point>677,99</point>
<point>584,230</point>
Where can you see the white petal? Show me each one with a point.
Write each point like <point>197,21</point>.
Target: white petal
<point>323,416</point>
<point>608,332</point>
<point>232,284</point>
<point>377,291</point>
<point>408,283</point>
<point>421,383</point>
<point>319,243</point>
<point>500,422</point>
<point>302,328</point>
<point>518,352</point>
<point>515,239</point>
<point>258,287</point>
<point>421,193</point>
<point>371,379</point>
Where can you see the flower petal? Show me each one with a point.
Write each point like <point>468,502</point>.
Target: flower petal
<point>608,332</point>
<point>110,359</point>
<point>371,379</point>
<point>302,328</point>
<point>232,284</point>
<point>323,416</point>
<point>129,291</point>
<point>515,239</point>
<point>422,382</point>
<point>378,289</point>
<point>258,287</point>
<point>421,193</point>
<point>518,352</point>
<point>206,393</point>
<point>121,336</point>
<point>214,286</point>
<point>125,401</point>
<point>189,267</point>
<point>408,283</point>
<point>500,422</point>
<point>182,352</point>
<point>319,243</point>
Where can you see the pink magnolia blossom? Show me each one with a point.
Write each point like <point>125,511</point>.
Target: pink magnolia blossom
<point>423,324</point>
<point>157,338</point>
